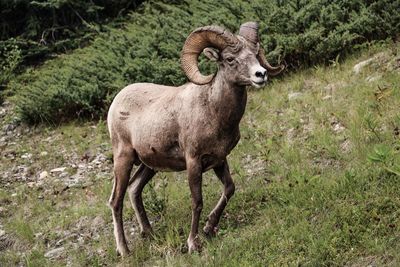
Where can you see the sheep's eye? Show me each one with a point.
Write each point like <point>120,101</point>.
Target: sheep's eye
<point>230,60</point>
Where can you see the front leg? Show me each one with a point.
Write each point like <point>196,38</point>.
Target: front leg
<point>224,176</point>
<point>194,170</point>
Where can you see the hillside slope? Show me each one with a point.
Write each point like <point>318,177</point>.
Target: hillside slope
<point>317,173</point>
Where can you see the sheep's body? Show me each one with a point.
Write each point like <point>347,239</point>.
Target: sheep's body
<point>192,127</point>
<point>162,123</point>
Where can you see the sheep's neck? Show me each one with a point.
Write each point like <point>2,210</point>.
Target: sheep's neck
<point>228,102</point>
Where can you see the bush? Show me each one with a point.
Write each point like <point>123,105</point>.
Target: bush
<point>147,49</point>
<point>42,27</point>
<point>10,57</point>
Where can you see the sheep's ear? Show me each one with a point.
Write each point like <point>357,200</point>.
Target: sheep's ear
<point>211,53</point>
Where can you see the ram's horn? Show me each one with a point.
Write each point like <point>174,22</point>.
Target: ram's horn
<point>272,71</point>
<point>209,36</point>
<point>249,31</point>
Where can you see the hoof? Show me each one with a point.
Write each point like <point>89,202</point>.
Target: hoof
<point>194,244</point>
<point>210,231</point>
<point>123,252</point>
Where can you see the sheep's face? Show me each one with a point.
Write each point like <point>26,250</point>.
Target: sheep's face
<point>240,65</point>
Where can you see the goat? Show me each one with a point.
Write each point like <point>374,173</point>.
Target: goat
<point>192,127</point>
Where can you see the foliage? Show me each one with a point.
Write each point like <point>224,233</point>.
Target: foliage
<point>147,49</point>
<point>42,27</point>
<point>10,57</point>
<point>386,156</point>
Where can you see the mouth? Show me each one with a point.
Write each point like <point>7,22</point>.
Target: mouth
<point>258,84</point>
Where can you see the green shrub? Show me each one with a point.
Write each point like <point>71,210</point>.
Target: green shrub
<point>147,49</point>
<point>10,58</point>
<point>42,27</point>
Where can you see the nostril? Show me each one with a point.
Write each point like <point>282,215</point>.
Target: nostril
<point>260,74</point>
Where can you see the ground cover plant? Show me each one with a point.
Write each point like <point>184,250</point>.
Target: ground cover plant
<point>317,172</point>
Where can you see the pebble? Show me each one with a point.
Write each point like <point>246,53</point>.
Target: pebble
<point>26,156</point>
<point>372,78</point>
<point>43,174</point>
<point>61,169</point>
<point>54,253</point>
<point>9,127</point>
<point>63,175</point>
<point>359,66</point>
<point>294,95</point>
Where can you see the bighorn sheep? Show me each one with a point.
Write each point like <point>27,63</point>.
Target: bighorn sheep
<point>192,127</point>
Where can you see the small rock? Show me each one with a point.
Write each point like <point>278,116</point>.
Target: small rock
<point>26,156</point>
<point>346,146</point>
<point>372,78</point>
<point>61,169</point>
<point>38,235</point>
<point>31,184</point>
<point>100,158</point>
<point>82,166</point>
<point>294,95</point>
<point>133,231</point>
<point>2,212</point>
<point>80,240</point>
<point>63,175</point>
<point>9,127</point>
<point>54,253</point>
<point>337,127</point>
<point>43,174</point>
<point>359,66</point>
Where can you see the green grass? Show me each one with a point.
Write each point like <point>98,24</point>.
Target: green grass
<point>317,184</point>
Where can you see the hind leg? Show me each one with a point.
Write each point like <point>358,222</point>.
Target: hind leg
<point>141,177</point>
<point>224,176</point>
<point>123,162</point>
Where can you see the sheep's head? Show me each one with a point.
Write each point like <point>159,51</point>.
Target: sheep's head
<point>241,57</point>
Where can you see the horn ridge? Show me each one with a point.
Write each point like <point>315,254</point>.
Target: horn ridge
<point>200,38</point>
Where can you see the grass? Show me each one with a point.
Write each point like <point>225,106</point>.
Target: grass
<point>317,183</point>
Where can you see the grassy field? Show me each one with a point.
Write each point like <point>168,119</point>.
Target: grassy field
<point>317,174</point>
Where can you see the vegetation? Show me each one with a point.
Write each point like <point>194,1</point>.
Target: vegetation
<point>302,33</point>
<point>317,176</point>
<point>45,26</point>
<point>32,31</point>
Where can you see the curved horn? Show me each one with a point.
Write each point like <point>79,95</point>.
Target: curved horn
<point>272,71</point>
<point>209,36</point>
<point>249,31</point>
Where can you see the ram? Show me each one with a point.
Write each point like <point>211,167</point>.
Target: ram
<point>192,127</point>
